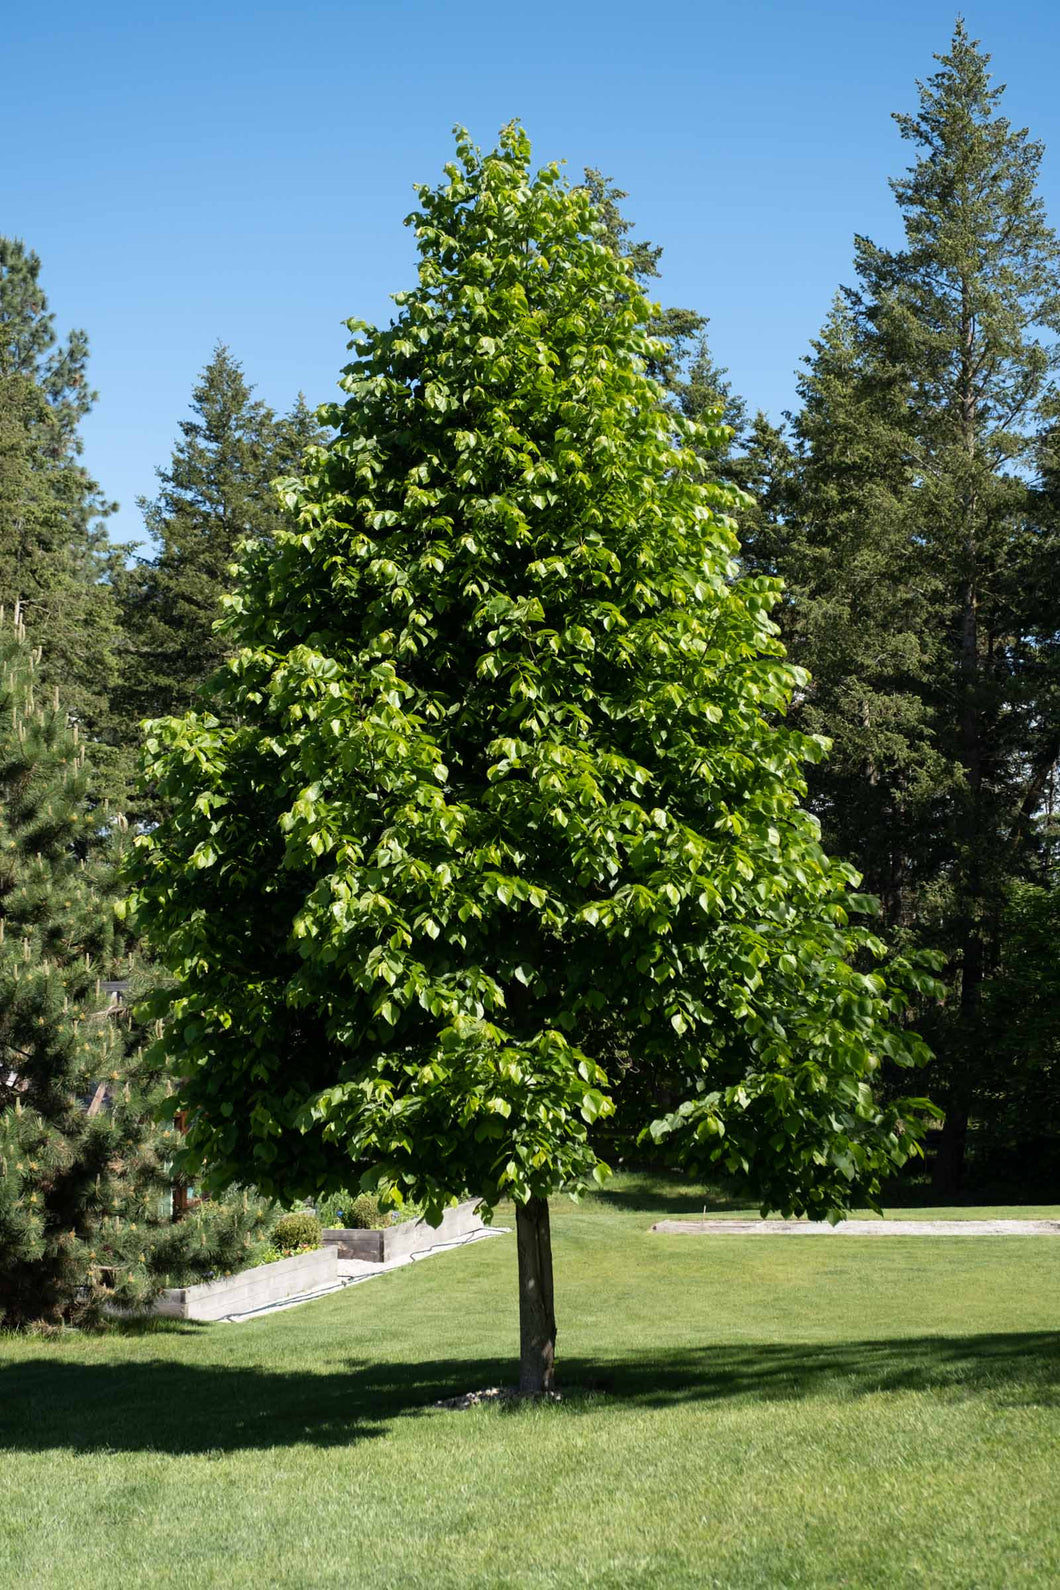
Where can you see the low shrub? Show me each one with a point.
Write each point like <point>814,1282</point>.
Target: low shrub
<point>266,1255</point>
<point>361,1211</point>
<point>297,1232</point>
<point>333,1211</point>
<point>347,1211</point>
<point>366,1213</point>
<point>410,1210</point>
<point>219,1236</point>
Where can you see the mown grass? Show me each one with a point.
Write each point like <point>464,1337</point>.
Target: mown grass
<point>739,1412</point>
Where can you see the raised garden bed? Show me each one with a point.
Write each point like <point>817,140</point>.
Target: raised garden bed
<point>253,1289</point>
<point>401,1241</point>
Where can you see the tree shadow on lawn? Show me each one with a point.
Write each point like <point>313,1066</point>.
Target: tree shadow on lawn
<point>163,1406</point>
<point>656,1195</point>
<point>920,1194</point>
<point>1023,1366</point>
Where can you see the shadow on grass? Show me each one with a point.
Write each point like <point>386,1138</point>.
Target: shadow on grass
<point>655,1195</point>
<point>1022,1367</point>
<point>921,1195</point>
<point>160,1405</point>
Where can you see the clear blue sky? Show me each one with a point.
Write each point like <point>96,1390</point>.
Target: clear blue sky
<point>222,170</point>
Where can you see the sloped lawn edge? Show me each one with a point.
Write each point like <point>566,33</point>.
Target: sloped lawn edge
<point>252,1289</point>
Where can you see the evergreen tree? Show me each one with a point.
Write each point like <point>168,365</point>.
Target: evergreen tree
<point>56,561</point>
<point>864,598</point>
<point>922,567</point>
<point>1018,1079</point>
<point>498,771</point>
<point>84,1167</point>
<point>215,493</point>
<point>767,468</point>
<point>681,363</point>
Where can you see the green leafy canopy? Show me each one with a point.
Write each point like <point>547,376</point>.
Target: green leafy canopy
<point>498,786</point>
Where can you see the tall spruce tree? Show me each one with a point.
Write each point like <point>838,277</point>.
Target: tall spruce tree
<point>84,1163</point>
<point>692,383</point>
<point>499,769</point>
<point>677,331</point>
<point>56,561</point>
<point>214,494</point>
<point>925,586</point>
<point>767,466</point>
<point>866,614</point>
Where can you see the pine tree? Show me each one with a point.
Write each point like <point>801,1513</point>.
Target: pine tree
<point>681,362</point>
<point>56,561</point>
<point>1018,1081</point>
<point>499,770</point>
<point>84,1165</point>
<point>767,471</point>
<point>862,615</point>
<point>215,493</point>
<point>924,586</point>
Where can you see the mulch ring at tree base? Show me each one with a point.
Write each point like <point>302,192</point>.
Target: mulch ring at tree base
<point>503,1394</point>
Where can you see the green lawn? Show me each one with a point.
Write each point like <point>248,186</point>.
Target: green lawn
<point>740,1412</point>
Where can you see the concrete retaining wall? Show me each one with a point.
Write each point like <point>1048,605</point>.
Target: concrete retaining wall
<point>251,1289</point>
<point>400,1241</point>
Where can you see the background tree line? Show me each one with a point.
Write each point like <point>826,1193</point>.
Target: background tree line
<point>910,503</point>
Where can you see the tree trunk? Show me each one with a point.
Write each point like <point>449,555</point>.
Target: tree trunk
<point>537,1319</point>
<point>949,1161</point>
<point>948,1171</point>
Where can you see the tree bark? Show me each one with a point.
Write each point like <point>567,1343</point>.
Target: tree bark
<point>537,1318</point>
<point>949,1162</point>
<point>948,1173</point>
